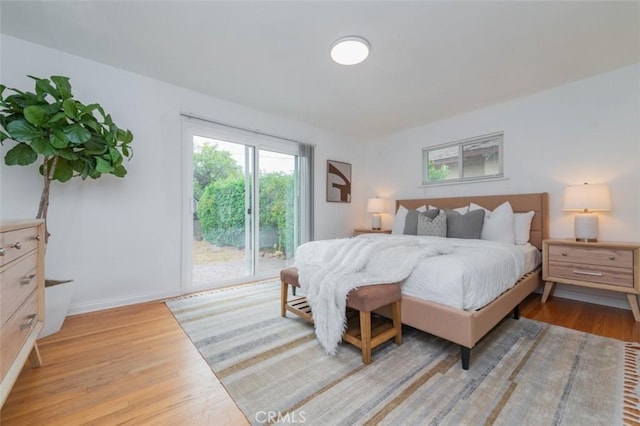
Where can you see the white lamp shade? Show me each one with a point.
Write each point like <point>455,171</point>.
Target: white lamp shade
<point>587,197</point>
<point>376,205</point>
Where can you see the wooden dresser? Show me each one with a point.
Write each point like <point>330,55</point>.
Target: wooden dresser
<point>602,265</point>
<point>21,298</point>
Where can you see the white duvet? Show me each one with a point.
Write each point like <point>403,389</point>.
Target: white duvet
<point>328,270</point>
<point>475,273</point>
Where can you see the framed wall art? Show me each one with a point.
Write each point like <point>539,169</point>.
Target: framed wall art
<point>338,182</point>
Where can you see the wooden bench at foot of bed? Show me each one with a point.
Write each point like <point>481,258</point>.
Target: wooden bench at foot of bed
<point>361,332</point>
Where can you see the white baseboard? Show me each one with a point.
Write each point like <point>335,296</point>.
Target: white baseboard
<point>99,305</point>
<point>590,295</point>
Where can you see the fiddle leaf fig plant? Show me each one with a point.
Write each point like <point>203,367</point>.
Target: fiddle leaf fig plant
<point>67,137</point>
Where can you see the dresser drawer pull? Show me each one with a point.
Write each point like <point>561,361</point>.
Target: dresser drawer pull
<point>1,251</point>
<point>27,279</point>
<point>612,257</point>
<point>30,319</point>
<point>593,274</point>
<point>37,238</point>
<point>17,245</point>
<point>564,253</point>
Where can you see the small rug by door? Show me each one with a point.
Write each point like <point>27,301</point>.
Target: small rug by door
<point>524,372</point>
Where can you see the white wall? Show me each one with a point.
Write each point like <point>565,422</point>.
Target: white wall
<point>120,238</point>
<point>585,131</point>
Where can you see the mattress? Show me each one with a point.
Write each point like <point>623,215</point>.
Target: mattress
<point>474,274</point>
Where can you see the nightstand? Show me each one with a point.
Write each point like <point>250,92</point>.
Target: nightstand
<point>602,265</point>
<point>371,231</point>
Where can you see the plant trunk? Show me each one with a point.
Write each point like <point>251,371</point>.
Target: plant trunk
<point>47,174</point>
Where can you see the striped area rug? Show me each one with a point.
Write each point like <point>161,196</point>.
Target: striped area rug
<point>524,372</point>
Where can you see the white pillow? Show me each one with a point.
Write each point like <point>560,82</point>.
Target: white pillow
<point>498,224</point>
<point>461,210</point>
<point>522,227</point>
<point>400,217</point>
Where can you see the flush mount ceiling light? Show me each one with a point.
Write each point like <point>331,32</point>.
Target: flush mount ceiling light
<point>350,50</point>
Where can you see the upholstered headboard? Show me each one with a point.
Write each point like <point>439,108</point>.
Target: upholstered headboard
<point>521,203</point>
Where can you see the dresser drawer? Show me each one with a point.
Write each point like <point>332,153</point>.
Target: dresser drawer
<point>15,331</point>
<point>622,277</point>
<point>619,258</point>
<point>14,244</point>
<point>16,283</point>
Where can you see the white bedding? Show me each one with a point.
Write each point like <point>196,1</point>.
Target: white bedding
<point>473,275</point>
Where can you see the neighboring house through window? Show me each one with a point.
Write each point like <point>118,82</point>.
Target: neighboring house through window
<point>464,160</point>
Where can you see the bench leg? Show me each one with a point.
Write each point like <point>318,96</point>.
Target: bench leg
<point>365,336</point>
<point>397,321</point>
<point>284,293</point>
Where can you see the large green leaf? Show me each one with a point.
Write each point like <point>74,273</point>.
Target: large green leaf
<point>52,109</point>
<point>63,171</point>
<point>77,134</point>
<point>62,83</point>
<point>35,115</point>
<point>70,109</point>
<point>120,171</point>
<point>125,136</point>
<point>103,166</point>
<point>44,85</point>
<point>22,131</point>
<point>68,154</point>
<point>114,155</point>
<point>82,167</point>
<point>57,117</point>
<point>95,146</point>
<point>20,155</point>
<point>58,139</point>
<point>42,146</point>
<point>90,121</point>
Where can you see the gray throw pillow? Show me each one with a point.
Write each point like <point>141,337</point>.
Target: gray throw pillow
<point>436,227</point>
<point>467,226</point>
<point>411,221</point>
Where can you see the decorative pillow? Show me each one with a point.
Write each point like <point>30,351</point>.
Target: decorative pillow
<point>434,227</point>
<point>467,226</point>
<point>461,210</point>
<point>522,227</point>
<point>411,220</point>
<point>399,219</point>
<point>498,224</point>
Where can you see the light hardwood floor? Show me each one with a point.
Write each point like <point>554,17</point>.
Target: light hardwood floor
<point>131,365</point>
<point>135,365</point>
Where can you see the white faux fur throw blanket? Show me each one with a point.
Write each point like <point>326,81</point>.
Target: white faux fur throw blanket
<point>328,270</point>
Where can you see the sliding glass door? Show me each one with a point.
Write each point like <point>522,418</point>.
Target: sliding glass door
<point>245,211</point>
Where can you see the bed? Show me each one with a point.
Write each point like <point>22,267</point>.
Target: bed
<point>468,327</point>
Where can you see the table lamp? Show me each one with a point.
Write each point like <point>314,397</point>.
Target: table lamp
<point>587,198</point>
<point>376,206</point>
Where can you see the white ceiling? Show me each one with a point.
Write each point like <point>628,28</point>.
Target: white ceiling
<point>428,61</point>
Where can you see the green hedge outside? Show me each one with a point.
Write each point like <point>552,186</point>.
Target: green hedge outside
<point>221,211</point>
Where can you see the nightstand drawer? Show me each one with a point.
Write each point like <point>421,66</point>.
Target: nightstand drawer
<point>618,258</point>
<point>622,277</point>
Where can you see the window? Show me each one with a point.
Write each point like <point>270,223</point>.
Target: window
<point>466,160</point>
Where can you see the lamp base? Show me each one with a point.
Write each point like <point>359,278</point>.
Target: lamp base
<point>375,222</point>
<point>586,227</point>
